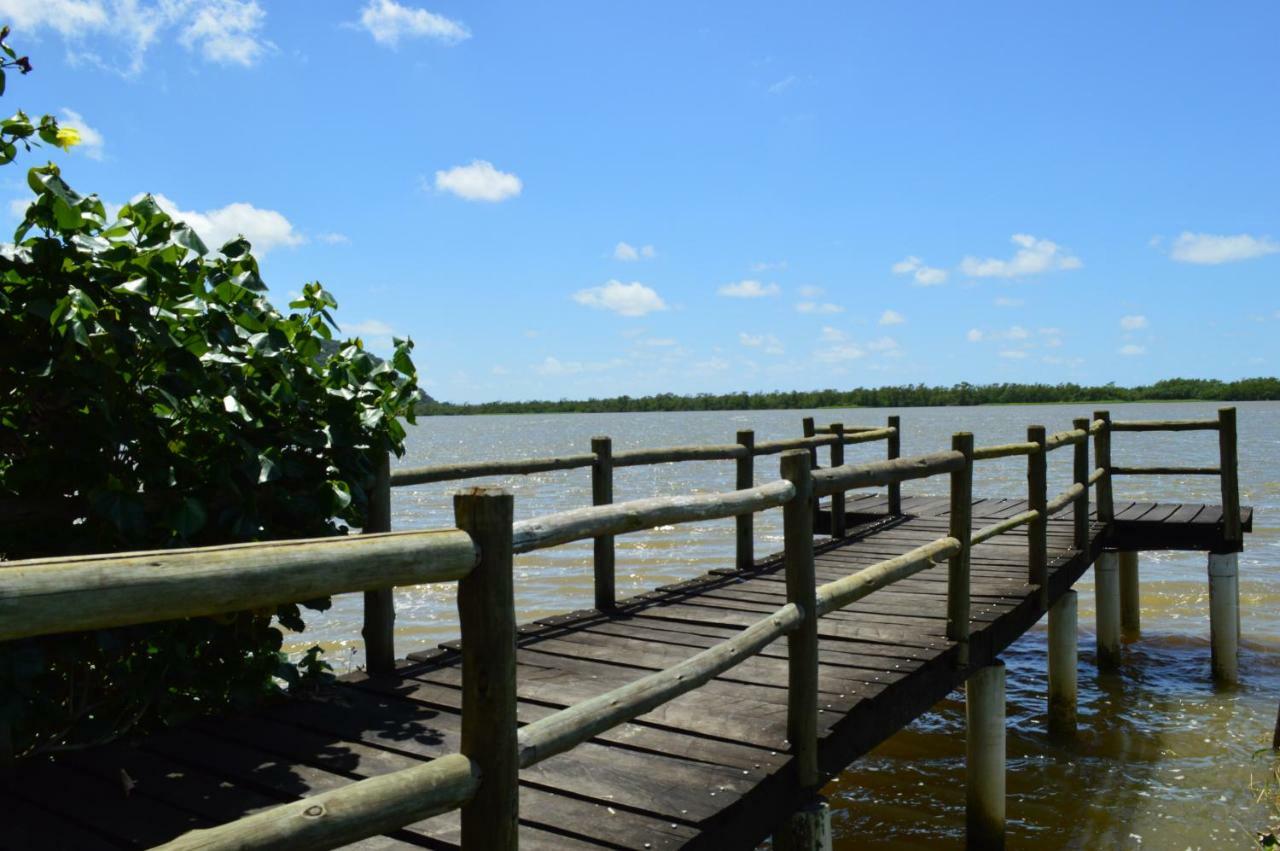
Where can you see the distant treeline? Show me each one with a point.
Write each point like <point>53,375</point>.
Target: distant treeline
<point>905,396</point>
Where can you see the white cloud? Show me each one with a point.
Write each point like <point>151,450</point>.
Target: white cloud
<point>91,140</point>
<point>832,335</point>
<point>1005,301</point>
<point>334,238</point>
<point>629,253</point>
<point>221,31</point>
<point>265,229</point>
<point>1209,249</point>
<point>660,342</point>
<point>555,366</point>
<point>883,344</point>
<point>1132,350</point>
<point>1013,354</point>
<point>1014,333</point>
<point>840,352</point>
<point>892,317</point>
<point>748,289</point>
<point>479,181</point>
<point>974,335</point>
<point>770,344</point>
<point>633,299</point>
<point>825,307</point>
<point>1133,323</point>
<point>388,22</point>
<point>1033,257</point>
<point>924,276</point>
<point>765,265</point>
<point>782,85</point>
<point>811,291</point>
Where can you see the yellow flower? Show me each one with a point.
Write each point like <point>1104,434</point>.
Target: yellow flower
<point>67,138</point>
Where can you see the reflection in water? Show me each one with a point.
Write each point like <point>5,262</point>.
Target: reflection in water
<point>1163,759</point>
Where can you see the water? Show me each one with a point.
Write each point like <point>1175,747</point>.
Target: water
<point>1163,760</point>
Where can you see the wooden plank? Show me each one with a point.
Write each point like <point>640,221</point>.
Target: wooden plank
<point>1135,511</point>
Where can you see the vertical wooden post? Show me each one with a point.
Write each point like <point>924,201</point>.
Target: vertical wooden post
<point>1275,737</point>
<point>1102,458</point>
<point>746,522</point>
<point>1106,592</point>
<point>602,494</point>
<point>379,627</point>
<point>1130,607</point>
<point>486,612</point>
<point>1224,615</point>
<point>802,644</point>
<point>1081,467</point>
<point>984,758</point>
<point>1063,659</point>
<point>958,565</point>
<point>809,829</point>
<point>811,431</point>
<point>1229,466</point>
<point>837,499</point>
<point>893,448</point>
<point>1038,500</point>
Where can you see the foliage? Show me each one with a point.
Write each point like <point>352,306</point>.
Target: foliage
<point>151,396</point>
<point>905,396</point>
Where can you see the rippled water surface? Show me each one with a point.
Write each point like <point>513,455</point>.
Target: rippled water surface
<point>1163,760</point>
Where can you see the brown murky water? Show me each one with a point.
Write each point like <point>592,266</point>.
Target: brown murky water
<point>1163,760</point>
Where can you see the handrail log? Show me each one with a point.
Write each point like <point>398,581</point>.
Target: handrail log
<point>773,447</point>
<point>638,457</point>
<point>571,726</point>
<point>1064,499</point>
<point>845,590</point>
<point>847,429</point>
<point>879,473</point>
<point>478,469</point>
<point>1166,471</point>
<point>1098,474</point>
<point>868,435</point>
<point>1005,450</point>
<point>1164,425</point>
<point>51,595</point>
<point>1097,425</point>
<point>988,532</point>
<point>636,515</point>
<point>1063,438</point>
<point>347,814</point>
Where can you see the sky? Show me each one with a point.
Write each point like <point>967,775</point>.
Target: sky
<point>562,200</point>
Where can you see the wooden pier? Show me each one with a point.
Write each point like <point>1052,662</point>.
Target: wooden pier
<point>678,718</point>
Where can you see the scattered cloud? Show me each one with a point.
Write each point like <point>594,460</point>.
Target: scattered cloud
<point>840,352</point>
<point>924,276</point>
<point>892,317</point>
<point>225,31</point>
<point>766,266</point>
<point>974,335</point>
<point>265,229</point>
<point>1006,301</point>
<point>388,22</point>
<point>782,85</point>
<point>1033,257</point>
<point>659,342</point>
<point>334,238</point>
<point>91,140</point>
<point>824,307</point>
<point>1133,323</point>
<point>1014,333</point>
<point>1209,249</point>
<point>768,343</point>
<point>1013,354</point>
<point>1132,350</point>
<point>748,289</point>
<point>883,345</point>
<point>554,366</point>
<point>810,291</point>
<point>629,253</point>
<point>833,335</point>
<point>479,181</point>
<point>633,299</point>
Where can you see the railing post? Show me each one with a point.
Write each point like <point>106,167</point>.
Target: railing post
<point>893,448</point>
<point>1081,467</point>
<point>1038,500</point>
<point>958,565</point>
<point>811,431</point>
<point>486,612</point>
<point>378,631</point>
<point>802,644</point>
<point>602,494</point>
<point>1102,458</point>
<point>1228,464</point>
<point>746,522</point>
<point>837,499</point>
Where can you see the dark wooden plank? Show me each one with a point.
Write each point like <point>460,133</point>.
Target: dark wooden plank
<point>1135,511</point>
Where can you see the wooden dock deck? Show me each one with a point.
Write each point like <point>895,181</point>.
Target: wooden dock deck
<point>709,769</point>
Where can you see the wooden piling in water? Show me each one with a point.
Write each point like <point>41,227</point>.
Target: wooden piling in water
<point>379,627</point>
<point>1130,606</point>
<point>745,523</point>
<point>808,829</point>
<point>1063,659</point>
<point>603,548</point>
<point>1106,592</point>
<point>837,498</point>
<point>1224,615</point>
<point>985,755</point>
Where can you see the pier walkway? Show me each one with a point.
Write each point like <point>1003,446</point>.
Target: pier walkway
<point>679,718</point>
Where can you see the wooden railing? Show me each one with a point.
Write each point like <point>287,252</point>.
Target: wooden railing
<point>47,596</point>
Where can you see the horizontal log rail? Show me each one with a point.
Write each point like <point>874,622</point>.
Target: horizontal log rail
<point>773,447</point>
<point>881,473</point>
<point>986,533</point>
<point>479,469</point>
<point>640,514</point>
<point>639,457</point>
<point>574,725</point>
<point>1005,450</point>
<point>1064,499</point>
<point>1166,471</point>
<point>45,596</point>
<point>1064,438</point>
<point>1098,474</point>
<point>1164,425</point>
<point>347,814</point>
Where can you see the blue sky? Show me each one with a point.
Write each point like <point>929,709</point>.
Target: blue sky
<point>572,199</point>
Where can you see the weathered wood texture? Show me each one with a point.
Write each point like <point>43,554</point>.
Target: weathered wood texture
<point>379,627</point>
<point>602,545</point>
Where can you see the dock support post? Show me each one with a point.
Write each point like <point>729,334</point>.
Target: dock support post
<point>893,448</point>
<point>1106,592</point>
<point>746,522</point>
<point>807,829</point>
<point>958,565</point>
<point>1063,658</point>
<point>1224,615</point>
<point>602,494</point>
<point>985,748</point>
<point>837,498</point>
<point>486,613</point>
<point>1130,608</point>
<point>379,630</point>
